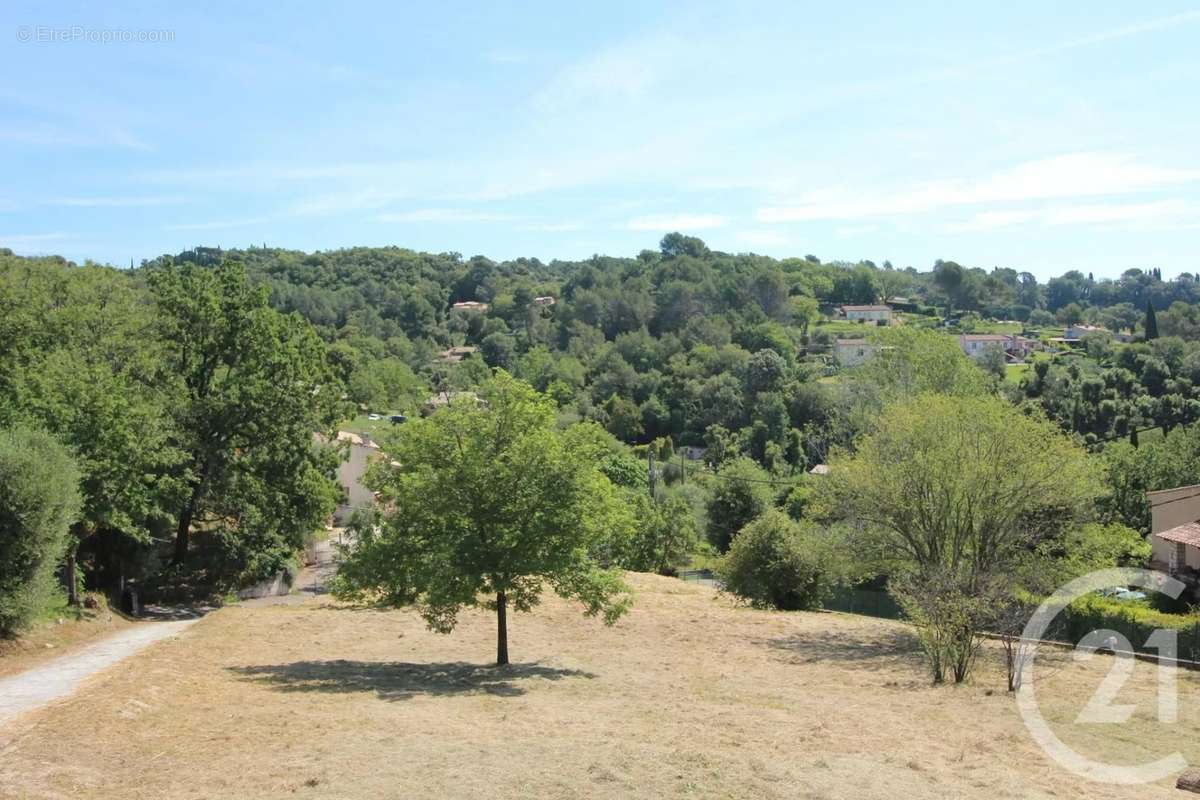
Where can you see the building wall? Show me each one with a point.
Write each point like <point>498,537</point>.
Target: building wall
<point>868,316</point>
<point>350,474</point>
<point>853,355</point>
<point>1161,549</point>
<point>1171,508</point>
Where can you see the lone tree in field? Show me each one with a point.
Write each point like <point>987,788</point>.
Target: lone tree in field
<point>490,504</point>
<point>953,494</point>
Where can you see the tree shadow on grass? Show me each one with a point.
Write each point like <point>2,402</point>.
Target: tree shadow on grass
<point>399,680</point>
<point>890,651</point>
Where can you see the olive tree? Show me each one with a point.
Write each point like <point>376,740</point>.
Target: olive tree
<point>951,493</point>
<point>487,505</point>
<point>39,500</point>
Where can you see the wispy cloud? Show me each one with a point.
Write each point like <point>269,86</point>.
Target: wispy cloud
<point>367,199</point>
<point>677,222</point>
<point>502,56</point>
<point>762,238</point>
<point>551,227</point>
<point>221,175</point>
<point>625,71</point>
<point>22,240</point>
<point>1099,37</point>
<point>216,224</point>
<point>114,201</point>
<point>443,215</point>
<point>1072,175</point>
<point>1153,216</point>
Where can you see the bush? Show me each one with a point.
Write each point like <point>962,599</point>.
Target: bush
<point>39,499</point>
<point>778,563</point>
<point>664,537</point>
<point>740,494</point>
<point>949,615</point>
<point>1040,318</point>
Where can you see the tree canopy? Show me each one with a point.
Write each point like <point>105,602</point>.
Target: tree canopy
<point>489,505</point>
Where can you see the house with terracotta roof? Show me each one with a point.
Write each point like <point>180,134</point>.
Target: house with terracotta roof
<point>1175,530</point>
<point>1176,549</point>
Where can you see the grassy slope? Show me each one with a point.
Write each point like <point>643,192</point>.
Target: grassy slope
<point>688,696</point>
<point>361,424</point>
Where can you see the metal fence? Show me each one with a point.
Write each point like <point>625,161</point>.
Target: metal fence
<point>869,602</point>
<point>702,576</point>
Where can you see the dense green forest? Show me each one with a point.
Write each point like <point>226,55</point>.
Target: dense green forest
<point>687,343</point>
<point>191,392</point>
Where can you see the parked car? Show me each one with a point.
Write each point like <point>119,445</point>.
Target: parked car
<point>374,417</point>
<point>398,418</point>
<point>1122,593</point>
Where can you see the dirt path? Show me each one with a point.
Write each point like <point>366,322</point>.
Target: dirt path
<point>56,679</point>
<point>312,580</point>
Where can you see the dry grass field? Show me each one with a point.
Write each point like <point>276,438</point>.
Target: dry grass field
<point>688,696</point>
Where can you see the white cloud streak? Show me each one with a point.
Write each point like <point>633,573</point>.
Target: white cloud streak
<point>24,240</point>
<point>1072,175</point>
<point>1163,215</point>
<point>680,222</point>
<point>216,224</point>
<point>113,202</point>
<point>443,215</point>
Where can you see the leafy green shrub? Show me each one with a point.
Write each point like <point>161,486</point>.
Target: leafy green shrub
<point>664,536</point>
<point>1093,611</point>
<point>39,499</point>
<point>775,562</point>
<point>740,493</point>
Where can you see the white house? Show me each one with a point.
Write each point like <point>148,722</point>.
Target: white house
<point>868,313</point>
<point>350,474</point>
<point>1015,348</point>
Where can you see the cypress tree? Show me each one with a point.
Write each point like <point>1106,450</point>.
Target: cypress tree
<point>1151,322</point>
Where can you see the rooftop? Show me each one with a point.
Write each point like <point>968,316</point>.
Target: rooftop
<point>1188,533</point>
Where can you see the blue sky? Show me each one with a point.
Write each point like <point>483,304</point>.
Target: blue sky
<point>1010,135</point>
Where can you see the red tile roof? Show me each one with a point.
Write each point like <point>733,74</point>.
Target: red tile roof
<point>1188,533</point>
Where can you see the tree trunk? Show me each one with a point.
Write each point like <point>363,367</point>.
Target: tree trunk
<point>501,629</point>
<point>72,578</point>
<point>185,525</point>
